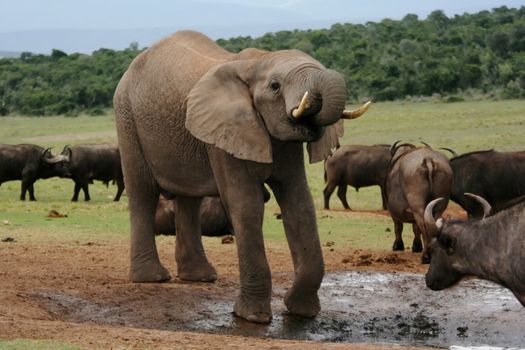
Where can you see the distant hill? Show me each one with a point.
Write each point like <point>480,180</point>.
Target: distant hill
<point>9,54</point>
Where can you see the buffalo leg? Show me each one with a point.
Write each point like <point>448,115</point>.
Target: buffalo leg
<point>383,198</point>
<point>120,189</point>
<point>327,192</point>
<point>76,191</point>
<point>23,190</point>
<point>192,264</point>
<point>417,246</point>
<point>341,193</point>
<point>31,191</point>
<point>85,188</point>
<point>398,230</point>
<point>420,226</point>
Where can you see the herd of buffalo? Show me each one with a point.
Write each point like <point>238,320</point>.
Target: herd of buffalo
<point>416,183</point>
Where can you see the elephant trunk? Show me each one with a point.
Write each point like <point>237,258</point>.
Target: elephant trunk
<point>330,90</point>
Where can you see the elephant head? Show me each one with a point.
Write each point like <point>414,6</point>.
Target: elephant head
<point>240,105</point>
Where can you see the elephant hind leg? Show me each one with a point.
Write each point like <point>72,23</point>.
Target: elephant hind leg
<point>143,195</point>
<point>192,264</point>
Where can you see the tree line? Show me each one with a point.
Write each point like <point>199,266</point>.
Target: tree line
<point>478,55</point>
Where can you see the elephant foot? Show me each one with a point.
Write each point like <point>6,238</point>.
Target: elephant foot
<point>417,246</point>
<point>398,245</point>
<point>301,304</point>
<point>196,272</point>
<point>253,311</point>
<point>149,272</point>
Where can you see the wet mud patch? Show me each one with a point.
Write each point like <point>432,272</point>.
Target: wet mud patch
<point>356,307</point>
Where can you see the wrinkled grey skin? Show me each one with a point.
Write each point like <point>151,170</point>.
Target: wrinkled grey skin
<point>491,248</point>
<point>415,177</point>
<point>357,166</point>
<point>29,163</point>
<point>194,120</point>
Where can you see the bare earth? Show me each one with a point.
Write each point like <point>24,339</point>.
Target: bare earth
<point>33,276</point>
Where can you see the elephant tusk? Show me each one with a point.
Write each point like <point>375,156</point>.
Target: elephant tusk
<point>356,113</point>
<point>297,112</point>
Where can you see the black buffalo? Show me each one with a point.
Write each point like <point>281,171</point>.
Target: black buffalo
<point>356,166</point>
<point>93,162</point>
<point>498,177</point>
<point>29,163</point>
<point>415,177</point>
<point>213,217</point>
<point>490,248</point>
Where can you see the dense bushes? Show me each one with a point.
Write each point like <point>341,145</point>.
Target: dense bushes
<point>470,55</point>
<point>61,83</point>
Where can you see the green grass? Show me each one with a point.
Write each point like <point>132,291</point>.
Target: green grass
<point>24,344</point>
<point>464,126</point>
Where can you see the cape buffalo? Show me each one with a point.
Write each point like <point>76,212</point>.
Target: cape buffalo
<point>29,163</point>
<point>93,162</point>
<point>357,166</point>
<point>214,220</point>
<point>213,217</point>
<point>415,177</point>
<point>496,176</point>
<point>490,248</point>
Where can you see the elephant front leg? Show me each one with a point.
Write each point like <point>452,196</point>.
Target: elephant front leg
<point>192,264</point>
<point>299,218</point>
<point>298,214</point>
<point>242,194</point>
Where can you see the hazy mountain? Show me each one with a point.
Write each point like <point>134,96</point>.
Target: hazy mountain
<point>9,54</point>
<point>86,40</point>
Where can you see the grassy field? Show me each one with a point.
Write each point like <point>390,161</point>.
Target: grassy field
<point>464,126</point>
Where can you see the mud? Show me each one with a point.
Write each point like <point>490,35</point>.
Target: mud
<point>358,306</point>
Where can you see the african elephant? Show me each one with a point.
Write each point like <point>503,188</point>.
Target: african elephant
<point>194,120</point>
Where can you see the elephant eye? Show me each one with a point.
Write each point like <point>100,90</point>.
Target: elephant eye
<point>275,86</point>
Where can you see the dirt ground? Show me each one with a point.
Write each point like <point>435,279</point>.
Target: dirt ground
<point>32,276</point>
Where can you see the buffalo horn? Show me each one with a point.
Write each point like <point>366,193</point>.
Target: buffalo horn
<point>66,152</point>
<point>393,147</point>
<point>482,201</point>
<point>297,112</point>
<point>432,225</point>
<point>426,145</point>
<point>48,157</point>
<point>454,153</point>
<point>357,112</point>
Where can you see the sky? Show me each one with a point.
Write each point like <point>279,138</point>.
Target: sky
<point>86,25</point>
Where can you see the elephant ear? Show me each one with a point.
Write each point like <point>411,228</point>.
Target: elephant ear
<point>220,111</point>
<point>322,149</point>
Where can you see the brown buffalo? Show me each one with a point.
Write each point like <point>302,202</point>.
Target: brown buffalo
<point>415,177</point>
<point>357,166</point>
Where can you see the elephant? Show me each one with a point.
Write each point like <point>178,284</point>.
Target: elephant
<point>195,120</point>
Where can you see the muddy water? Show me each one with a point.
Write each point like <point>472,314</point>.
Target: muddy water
<point>356,307</point>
